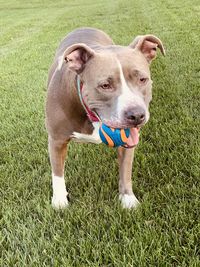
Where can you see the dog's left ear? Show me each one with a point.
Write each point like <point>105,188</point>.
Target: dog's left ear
<point>148,45</point>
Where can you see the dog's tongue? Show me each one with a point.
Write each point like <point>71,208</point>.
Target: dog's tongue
<point>133,137</point>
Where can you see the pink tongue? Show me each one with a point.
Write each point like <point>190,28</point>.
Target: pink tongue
<point>133,137</point>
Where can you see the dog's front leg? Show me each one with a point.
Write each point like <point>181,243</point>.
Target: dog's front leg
<point>57,152</point>
<point>125,158</point>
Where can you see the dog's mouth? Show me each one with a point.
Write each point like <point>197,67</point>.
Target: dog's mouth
<point>133,138</point>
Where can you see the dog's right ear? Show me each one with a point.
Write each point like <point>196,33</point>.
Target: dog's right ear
<point>77,55</point>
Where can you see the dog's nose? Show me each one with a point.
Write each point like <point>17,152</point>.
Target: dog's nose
<point>135,115</point>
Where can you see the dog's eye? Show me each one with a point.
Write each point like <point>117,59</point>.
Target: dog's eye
<point>105,86</point>
<point>143,80</point>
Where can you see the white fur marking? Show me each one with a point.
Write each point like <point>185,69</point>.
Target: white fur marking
<point>59,199</point>
<point>88,138</point>
<point>127,97</point>
<point>128,201</point>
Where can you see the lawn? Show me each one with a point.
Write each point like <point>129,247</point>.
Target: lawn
<point>95,230</point>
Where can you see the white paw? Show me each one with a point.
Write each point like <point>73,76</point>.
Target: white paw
<point>128,201</point>
<point>59,199</point>
<point>86,138</point>
<point>77,136</point>
<point>59,202</point>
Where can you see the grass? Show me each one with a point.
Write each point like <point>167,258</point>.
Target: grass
<point>95,230</point>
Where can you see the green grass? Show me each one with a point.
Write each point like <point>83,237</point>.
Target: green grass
<point>95,230</point>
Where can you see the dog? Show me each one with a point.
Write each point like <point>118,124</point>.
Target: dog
<point>91,81</point>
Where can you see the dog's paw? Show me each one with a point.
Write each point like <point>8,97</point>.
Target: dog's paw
<point>128,201</point>
<point>78,137</point>
<point>59,202</point>
<point>86,138</point>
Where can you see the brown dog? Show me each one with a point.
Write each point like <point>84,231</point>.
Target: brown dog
<point>92,79</point>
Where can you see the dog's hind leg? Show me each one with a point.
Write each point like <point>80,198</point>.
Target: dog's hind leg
<point>57,152</point>
<point>125,158</point>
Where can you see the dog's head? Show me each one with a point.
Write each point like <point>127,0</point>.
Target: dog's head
<point>116,79</point>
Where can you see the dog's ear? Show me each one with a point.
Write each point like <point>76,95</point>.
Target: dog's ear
<point>148,45</point>
<point>77,55</point>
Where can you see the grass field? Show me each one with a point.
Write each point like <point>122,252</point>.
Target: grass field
<point>95,230</point>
